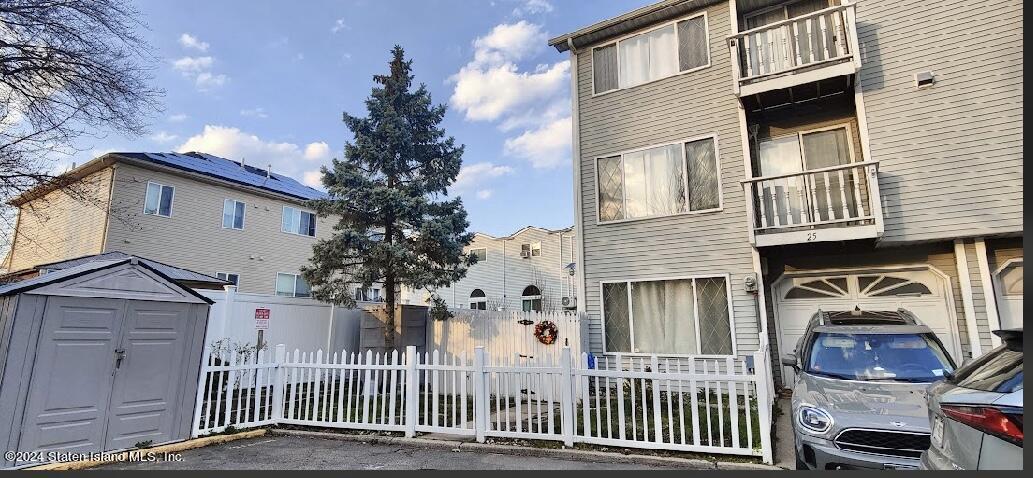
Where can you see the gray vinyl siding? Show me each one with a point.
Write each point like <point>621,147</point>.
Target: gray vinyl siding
<point>950,155</point>
<point>193,238</point>
<point>670,110</point>
<point>504,275</point>
<point>59,226</point>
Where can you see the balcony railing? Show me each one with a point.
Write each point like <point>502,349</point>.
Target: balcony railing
<point>799,50</point>
<point>827,204</point>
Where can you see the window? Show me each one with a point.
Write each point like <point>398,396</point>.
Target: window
<point>481,254</point>
<point>296,221</point>
<point>292,285</point>
<point>531,299</point>
<point>228,277</point>
<point>884,357</point>
<point>999,370</point>
<point>680,316</point>
<point>533,249</point>
<point>159,200</point>
<point>367,294</point>
<point>659,53</point>
<point>478,301</point>
<point>660,181</point>
<point>232,214</point>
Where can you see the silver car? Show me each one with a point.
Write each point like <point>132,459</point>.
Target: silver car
<point>859,398</point>
<point>976,413</point>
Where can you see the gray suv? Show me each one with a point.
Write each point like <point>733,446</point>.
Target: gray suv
<point>859,398</point>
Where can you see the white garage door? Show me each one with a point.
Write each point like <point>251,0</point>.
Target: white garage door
<point>922,292</point>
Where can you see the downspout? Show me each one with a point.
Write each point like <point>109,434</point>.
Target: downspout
<point>107,211</point>
<point>575,129</point>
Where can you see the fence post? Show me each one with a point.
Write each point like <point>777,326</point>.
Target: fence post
<point>657,427</point>
<point>412,395</point>
<point>480,394</point>
<point>763,406</point>
<point>202,382</point>
<point>279,358</point>
<point>567,405</point>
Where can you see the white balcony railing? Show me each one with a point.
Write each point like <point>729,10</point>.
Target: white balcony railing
<point>798,204</point>
<point>811,42</point>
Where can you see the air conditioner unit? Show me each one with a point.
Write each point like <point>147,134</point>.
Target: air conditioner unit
<point>525,254</point>
<point>570,302</point>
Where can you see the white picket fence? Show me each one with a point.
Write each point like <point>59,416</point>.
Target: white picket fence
<point>696,404</point>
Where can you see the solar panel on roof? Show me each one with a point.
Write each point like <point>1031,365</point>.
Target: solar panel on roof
<point>229,170</point>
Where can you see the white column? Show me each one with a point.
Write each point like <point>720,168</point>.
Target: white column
<point>966,298</point>
<point>989,297</point>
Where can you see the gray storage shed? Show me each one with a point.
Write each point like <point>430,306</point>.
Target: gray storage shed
<point>97,357</point>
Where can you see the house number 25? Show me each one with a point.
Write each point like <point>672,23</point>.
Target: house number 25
<point>812,236</point>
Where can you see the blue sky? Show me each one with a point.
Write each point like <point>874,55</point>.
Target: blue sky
<point>268,81</point>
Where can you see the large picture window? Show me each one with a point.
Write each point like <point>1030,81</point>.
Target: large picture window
<point>659,181</point>
<point>667,50</point>
<point>678,316</point>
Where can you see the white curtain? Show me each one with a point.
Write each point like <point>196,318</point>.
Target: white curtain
<point>635,190</point>
<point>663,52</point>
<point>663,315</point>
<point>782,156</point>
<point>654,182</point>
<point>825,149</point>
<point>634,61</point>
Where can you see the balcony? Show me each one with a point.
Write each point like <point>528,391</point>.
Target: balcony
<point>803,49</point>
<point>828,204</point>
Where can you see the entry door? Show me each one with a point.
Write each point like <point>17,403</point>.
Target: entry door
<point>148,380</point>
<point>72,375</point>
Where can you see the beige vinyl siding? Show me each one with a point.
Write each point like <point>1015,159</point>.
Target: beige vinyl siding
<point>193,238</point>
<point>504,275</point>
<point>670,110</point>
<point>950,155</point>
<point>59,226</point>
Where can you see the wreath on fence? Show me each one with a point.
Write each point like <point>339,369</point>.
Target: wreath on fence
<point>546,332</point>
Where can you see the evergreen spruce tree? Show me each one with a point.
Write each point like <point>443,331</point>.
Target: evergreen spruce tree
<point>397,226</point>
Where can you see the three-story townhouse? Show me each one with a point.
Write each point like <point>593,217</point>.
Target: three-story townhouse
<point>742,164</point>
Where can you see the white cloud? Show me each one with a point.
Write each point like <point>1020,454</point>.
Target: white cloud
<point>254,113</point>
<point>531,102</point>
<point>177,118</point>
<point>484,193</point>
<point>548,146</point>
<point>313,178</point>
<point>190,41</point>
<point>533,7</point>
<point>191,65</point>
<point>163,137</point>
<point>473,175</point>
<point>317,151</point>
<point>208,81</point>
<point>339,25</point>
<point>286,158</point>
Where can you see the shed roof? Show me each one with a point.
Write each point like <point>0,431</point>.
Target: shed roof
<point>177,274</point>
<point>86,268</point>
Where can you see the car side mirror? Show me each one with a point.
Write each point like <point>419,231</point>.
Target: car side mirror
<point>790,360</point>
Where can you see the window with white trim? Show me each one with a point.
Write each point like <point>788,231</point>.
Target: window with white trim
<point>667,50</point>
<point>367,294</point>
<point>292,285</point>
<point>233,214</point>
<point>480,253</point>
<point>478,301</point>
<point>158,201</point>
<point>678,316</point>
<point>533,249</point>
<point>296,221</point>
<point>228,277</point>
<point>531,299</point>
<point>660,181</point>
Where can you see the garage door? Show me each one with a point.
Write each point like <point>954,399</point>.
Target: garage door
<point>921,291</point>
<point>106,375</point>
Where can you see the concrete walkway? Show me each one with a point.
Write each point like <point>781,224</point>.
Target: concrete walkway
<point>311,453</point>
<point>785,449</point>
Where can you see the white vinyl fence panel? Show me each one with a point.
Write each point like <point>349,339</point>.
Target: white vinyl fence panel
<point>708,405</point>
<point>505,335</point>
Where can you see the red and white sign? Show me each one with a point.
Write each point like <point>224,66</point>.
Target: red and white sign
<point>262,319</point>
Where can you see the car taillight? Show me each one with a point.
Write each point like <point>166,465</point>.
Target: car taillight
<point>990,420</point>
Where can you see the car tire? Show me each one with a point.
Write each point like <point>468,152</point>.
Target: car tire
<point>800,465</point>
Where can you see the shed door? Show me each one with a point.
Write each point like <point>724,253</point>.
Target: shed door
<point>72,375</point>
<point>148,382</point>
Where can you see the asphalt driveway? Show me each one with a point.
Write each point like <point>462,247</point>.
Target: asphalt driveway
<point>308,453</point>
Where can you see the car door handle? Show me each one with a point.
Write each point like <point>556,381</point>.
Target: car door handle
<point>120,354</point>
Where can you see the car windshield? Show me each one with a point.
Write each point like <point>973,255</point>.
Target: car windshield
<point>889,357</point>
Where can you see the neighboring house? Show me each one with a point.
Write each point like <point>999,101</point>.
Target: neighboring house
<point>531,269</point>
<point>850,156</point>
<point>240,223</point>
